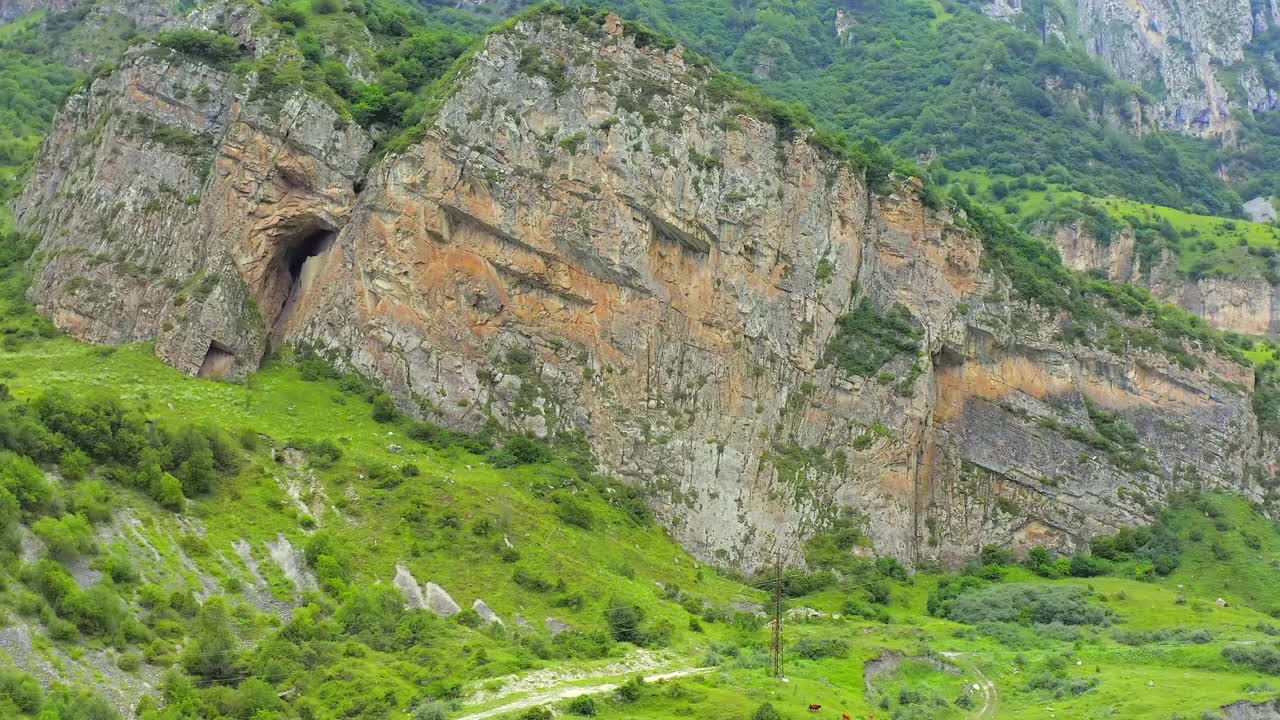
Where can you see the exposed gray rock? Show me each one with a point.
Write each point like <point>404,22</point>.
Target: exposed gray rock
<point>407,584</point>
<point>210,281</point>
<point>1247,304</point>
<point>486,613</point>
<point>669,279</point>
<point>1261,209</point>
<point>439,602</point>
<point>291,563</point>
<point>1246,710</point>
<point>555,626</point>
<point>1183,48</point>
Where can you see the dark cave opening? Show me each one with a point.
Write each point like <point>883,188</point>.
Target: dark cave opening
<point>297,267</point>
<point>219,362</point>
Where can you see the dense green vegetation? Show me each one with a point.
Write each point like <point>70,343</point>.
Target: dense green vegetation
<point>914,75</point>
<point>32,87</point>
<point>867,337</point>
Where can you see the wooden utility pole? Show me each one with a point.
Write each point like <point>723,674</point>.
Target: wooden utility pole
<point>775,647</point>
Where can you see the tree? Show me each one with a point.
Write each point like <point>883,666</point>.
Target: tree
<point>765,712</point>
<point>166,490</point>
<point>210,654</point>
<point>65,537</point>
<point>431,710</point>
<point>624,621</point>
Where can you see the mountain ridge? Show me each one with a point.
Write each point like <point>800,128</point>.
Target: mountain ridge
<point>670,246</point>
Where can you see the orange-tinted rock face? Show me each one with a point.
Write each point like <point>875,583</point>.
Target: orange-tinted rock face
<point>625,256</point>
<point>1249,305</point>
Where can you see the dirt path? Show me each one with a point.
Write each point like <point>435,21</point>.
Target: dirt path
<point>552,695</point>
<point>990,695</point>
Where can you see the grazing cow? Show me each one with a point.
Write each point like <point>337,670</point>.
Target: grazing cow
<point>845,716</point>
<point>814,708</point>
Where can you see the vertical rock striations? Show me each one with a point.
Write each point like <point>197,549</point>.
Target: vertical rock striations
<point>594,236</point>
<point>1197,58</point>
<point>175,206</point>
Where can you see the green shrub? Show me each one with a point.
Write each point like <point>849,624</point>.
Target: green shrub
<point>816,648</point>
<point>624,620</point>
<point>529,581</point>
<point>631,690</point>
<point>1260,658</point>
<point>129,662</point>
<point>573,512</point>
<point>868,337</point>
<point>210,652</point>
<point>765,712</point>
<point>67,536</point>
<point>583,706</point>
<point>430,710</point>
<point>1019,603</point>
<point>214,48</point>
<point>22,689</point>
<point>384,409</point>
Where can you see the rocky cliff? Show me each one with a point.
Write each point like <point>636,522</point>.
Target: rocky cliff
<point>1249,305</point>
<point>1196,58</point>
<point>596,236</point>
<point>177,208</point>
<point>11,10</point>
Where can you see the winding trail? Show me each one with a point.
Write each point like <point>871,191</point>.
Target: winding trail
<point>556,694</point>
<point>990,694</point>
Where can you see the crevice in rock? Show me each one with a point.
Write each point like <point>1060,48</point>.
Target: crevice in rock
<point>218,362</point>
<point>295,266</point>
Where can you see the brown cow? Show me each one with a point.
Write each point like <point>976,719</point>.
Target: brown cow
<point>814,708</point>
<point>845,716</point>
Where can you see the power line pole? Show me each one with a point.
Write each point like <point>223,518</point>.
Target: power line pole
<point>776,646</point>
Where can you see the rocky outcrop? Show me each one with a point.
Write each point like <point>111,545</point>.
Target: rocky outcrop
<point>588,238</point>
<point>1245,710</point>
<point>1249,304</point>
<point>1194,57</point>
<point>11,10</point>
<point>177,208</point>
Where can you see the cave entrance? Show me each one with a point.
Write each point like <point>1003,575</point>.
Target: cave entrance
<point>297,265</point>
<point>219,362</point>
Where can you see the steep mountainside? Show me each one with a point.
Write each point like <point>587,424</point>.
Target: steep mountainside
<point>1245,304</point>
<point>600,235</point>
<point>1201,61</point>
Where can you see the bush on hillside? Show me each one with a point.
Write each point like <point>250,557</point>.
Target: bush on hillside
<point>816,648</point>
<point>430,710</point>
<point>765,712</point>
<point>583,706</point>
<point>1260,658</point>
<point>214,48</point>
<point>1024,603</point>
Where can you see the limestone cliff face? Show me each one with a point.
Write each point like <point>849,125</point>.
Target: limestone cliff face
<point>1193,56</point>
<point>175,208</point>
<point>11,10</point>
<point>1247,305</point>
<point>587,238</point>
